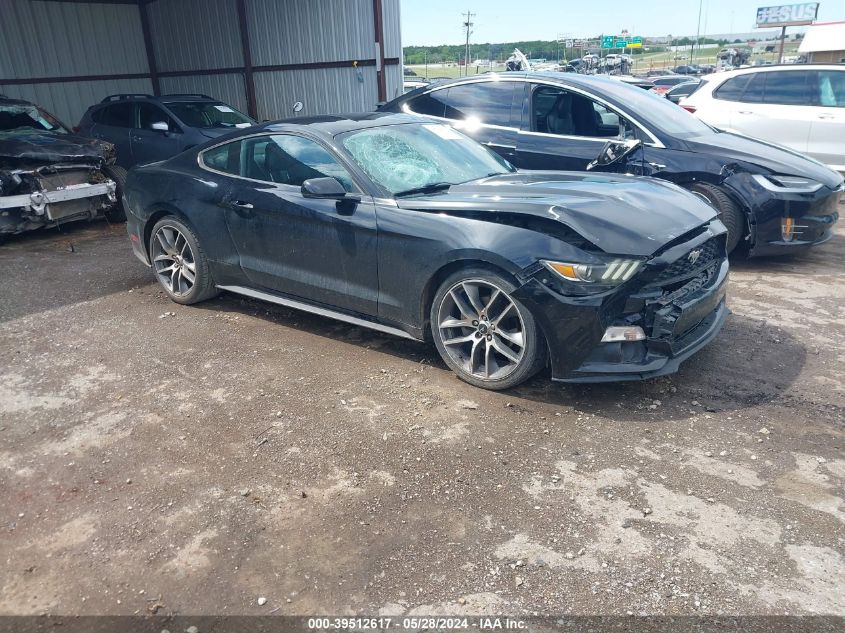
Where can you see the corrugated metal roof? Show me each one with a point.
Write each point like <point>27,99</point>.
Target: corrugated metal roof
<point>195,34</point>
<point>823,37</point>
<point>55,39</point>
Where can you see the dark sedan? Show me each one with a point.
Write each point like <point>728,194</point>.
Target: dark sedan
<point>408,227</point>
<point>772,200</point>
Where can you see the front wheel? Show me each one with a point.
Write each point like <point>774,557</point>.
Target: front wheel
<point>485,335</point>
<point>729,211</point>
<point>179,263</point>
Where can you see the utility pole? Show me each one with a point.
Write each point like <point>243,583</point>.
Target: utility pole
<point>782,39</point>
<point>468,26</point>
<point>697,33</point>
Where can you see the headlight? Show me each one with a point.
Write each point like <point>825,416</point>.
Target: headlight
<point>611,273</point>
<point>787,184</point>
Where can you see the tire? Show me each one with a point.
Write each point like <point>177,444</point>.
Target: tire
<point>176,256</point>
<point>729,212</point>
<point>469,314</point>
<point>117,173</point>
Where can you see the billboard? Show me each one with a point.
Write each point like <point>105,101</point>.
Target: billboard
<point>787,15</point>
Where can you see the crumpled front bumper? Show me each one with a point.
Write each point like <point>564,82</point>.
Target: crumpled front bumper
<point>48,203</point>
<point>677,323</point>
<point>813,214</point>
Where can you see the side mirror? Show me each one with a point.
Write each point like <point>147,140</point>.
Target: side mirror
<point>614,152</point>
<point>160,126</point>
<point>329,188</point>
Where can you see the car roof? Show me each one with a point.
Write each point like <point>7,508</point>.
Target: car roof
<point>168,98</point>
<point>773,67</point>
<point>331,126</point>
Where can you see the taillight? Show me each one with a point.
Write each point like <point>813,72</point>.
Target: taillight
<point>688,108</point>
<point>76,129</point>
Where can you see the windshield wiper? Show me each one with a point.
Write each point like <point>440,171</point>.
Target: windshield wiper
<point>431,187</point>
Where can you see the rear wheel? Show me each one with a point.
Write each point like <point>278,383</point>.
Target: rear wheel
<point>485,335</point>
<point>179,263</point>
<point>117,173</point>
<point>729,212</point>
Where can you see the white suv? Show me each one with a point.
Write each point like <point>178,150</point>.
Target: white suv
<point>801,107</point>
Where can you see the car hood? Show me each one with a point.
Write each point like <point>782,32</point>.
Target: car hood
<point>52,147</point>
<point>771,158</point>
<point>622,215</point>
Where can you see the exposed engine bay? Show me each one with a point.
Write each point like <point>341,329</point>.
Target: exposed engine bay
<point>49,176</point>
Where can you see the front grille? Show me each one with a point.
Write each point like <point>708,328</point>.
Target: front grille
<point>684,267</point>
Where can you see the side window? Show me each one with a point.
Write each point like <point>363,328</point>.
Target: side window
<point>290,160</point>
<point>431,104</point>
<point>733,88</point>
<point>557,111</point>
<point>789,87</point>
<point>832,88</point>
<point>755,89</point>
<point>149,113</point>
<point>225,158</point>
<point>118,115</point>
<point>488,101</point>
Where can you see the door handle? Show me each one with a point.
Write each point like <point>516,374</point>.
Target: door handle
<point>827,116</point>
<point>745,112</point>
<point>242,205</point>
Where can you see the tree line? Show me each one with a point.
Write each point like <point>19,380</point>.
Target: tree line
<point>534,49</point>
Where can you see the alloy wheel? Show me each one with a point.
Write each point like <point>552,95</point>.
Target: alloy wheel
<point>481,329</point>
<point>174,261</point>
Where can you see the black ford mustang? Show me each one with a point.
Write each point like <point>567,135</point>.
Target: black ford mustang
<point>409,227</point>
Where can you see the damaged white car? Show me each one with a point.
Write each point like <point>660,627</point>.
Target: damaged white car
<point>49,176</point>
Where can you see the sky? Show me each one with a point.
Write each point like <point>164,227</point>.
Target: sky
<point>429,22</point>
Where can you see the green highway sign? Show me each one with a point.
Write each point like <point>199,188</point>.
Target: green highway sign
<point>616,41</point>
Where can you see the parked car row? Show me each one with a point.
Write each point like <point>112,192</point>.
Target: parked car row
<point>500,216</point>
<point>50,175</point>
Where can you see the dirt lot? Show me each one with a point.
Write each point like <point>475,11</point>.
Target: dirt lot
<point>155,457</point>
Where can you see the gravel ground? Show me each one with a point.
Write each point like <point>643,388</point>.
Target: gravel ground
<point>156,458</point>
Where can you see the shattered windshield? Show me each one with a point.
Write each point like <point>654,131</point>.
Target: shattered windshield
<point>405,158</point>
<point>25,118</point>
<point>209,115</point>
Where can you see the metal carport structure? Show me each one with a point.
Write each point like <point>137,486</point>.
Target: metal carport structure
<point>262,56</point>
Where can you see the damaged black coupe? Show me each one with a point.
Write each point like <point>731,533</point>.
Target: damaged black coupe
<point>49,176</point>
<point>409,227</point>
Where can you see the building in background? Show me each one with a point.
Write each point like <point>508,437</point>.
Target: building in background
<point>824,42</point>
<point>262,56</point>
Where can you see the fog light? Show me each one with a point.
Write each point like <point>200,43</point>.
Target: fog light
<point>787,229</point>
<point>618,333</point>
